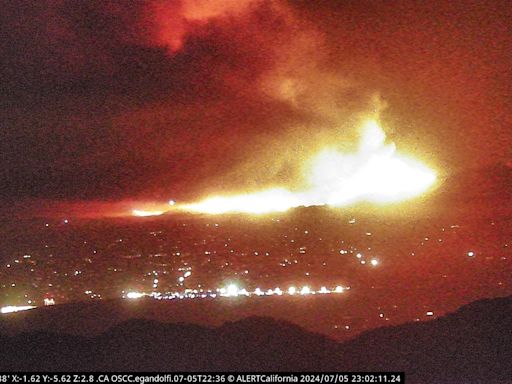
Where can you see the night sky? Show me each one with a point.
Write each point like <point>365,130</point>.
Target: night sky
<point>110,101</point>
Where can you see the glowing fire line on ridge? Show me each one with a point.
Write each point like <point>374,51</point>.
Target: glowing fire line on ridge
<point>375,173</point>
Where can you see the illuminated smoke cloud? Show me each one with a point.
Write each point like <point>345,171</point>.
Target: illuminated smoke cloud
<point>176,19</point>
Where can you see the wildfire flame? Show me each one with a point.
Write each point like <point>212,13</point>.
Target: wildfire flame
<point>272,200</point>
<point>375,173</point>
<point>146,213</point>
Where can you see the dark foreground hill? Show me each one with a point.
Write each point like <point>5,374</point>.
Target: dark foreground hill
<point>471,345</point>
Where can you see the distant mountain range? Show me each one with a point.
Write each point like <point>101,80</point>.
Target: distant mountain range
<point>471,345</point>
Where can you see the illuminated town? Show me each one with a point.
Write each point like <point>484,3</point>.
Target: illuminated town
<point>232,257</point>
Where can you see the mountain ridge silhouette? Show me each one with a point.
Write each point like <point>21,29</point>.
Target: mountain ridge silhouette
<point>471,345</point>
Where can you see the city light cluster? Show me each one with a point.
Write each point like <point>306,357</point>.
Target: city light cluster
<point>232,290</point>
